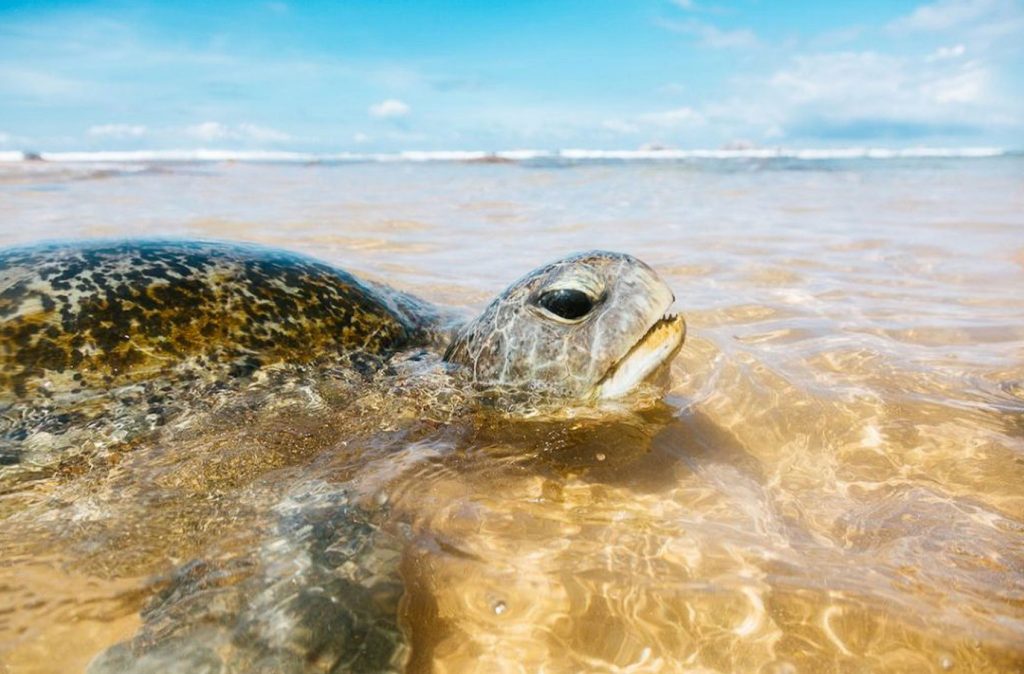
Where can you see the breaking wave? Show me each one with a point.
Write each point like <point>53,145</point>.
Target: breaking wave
<point>505,156</point>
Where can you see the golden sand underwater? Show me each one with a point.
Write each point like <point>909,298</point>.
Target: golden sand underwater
<point>835,482</point>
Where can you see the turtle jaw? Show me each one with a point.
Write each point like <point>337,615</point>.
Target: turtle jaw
<point>656,347</point>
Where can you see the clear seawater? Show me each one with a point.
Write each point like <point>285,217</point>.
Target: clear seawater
<point>836,482</point>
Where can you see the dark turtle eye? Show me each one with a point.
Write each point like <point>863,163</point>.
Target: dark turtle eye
<point>566,303</point>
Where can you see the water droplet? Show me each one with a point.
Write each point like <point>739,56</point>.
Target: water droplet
<point>381,498</point>
<point>946,662</point>
<point>600,456</point>
<point>499,607</point>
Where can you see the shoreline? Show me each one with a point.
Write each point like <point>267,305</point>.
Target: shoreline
<point>505,156</point>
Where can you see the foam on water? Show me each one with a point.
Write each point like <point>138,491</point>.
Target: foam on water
<point>214,155</point>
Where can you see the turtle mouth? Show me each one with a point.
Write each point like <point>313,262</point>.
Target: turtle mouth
<point>657,346</point>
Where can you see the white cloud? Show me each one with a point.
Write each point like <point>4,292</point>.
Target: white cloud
<point>118,131</point>
<point>943,53</point>
<point>853,96</point>
<point>38,83</point>
<point>392,107</point>
<point>964,85</point>
<point>255,132</point>
<point>702,7</point>
<point>867,96</point>
<point>831,39</point>
<point>211,131</point>
<point>675,123</point>
<point>947,14</point>
<point>620,126</point>
<point>945,73</point>
<point>712,36</point>
<point>671,89</point>
<point>208,131</point>
<point>879,84</point>
<point>684,116</point>
<point>844,77</point>
<point>978,23</point>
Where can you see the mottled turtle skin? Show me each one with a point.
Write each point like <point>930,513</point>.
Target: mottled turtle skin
<point>123,335</point>
<point>516,343</point>
<point>98,336</point>
<point>106,314</point>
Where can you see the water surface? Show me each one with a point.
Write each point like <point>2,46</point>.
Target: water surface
<point>835,482</point>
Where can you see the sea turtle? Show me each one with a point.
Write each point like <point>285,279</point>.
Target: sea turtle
<point>115,344</point>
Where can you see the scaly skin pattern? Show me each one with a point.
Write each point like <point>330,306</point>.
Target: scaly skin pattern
<point>322,591</point>
<point>100,315</point>
<point>513,345</point>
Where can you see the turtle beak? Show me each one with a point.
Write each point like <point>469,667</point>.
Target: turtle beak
<point>656,347</point>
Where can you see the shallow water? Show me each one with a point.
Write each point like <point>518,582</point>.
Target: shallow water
<point>834,483</point>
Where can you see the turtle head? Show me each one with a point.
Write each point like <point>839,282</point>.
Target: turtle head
<point>589,326</point>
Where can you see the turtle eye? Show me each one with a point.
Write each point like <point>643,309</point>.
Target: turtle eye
<point>566,303</point>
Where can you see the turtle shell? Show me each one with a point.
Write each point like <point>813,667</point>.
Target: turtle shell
<point>110,313</point>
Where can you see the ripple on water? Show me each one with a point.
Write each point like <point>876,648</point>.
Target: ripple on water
<point>834,483</point>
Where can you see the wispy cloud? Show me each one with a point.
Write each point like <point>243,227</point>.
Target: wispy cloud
<point>869,81</point>
<point>943,53</point>
<point>985,23</point>
<point>620,126</point>
<point>671,89</point>
<point>450,83</point>
<point>263,133</point>
<point>21,82</point>
<point>947,14</point>
<point>78,63</point>
<point>710,35</point>
<point>117,131</point>
<point>215,131</point>
<point>707,33</point>
<point>863,94</point>
<point>677,117</point>
<point>809,92</point>
<point>272,75</point>
<point>208,131</point>
<point>391,107</point>
<point>701,7</point>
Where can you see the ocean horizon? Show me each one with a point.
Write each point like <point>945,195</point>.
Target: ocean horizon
<point>509,155</point>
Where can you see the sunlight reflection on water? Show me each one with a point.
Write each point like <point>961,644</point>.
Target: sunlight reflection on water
<point>835,484</point>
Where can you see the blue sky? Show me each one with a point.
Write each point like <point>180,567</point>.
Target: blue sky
<point>615,74</point>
